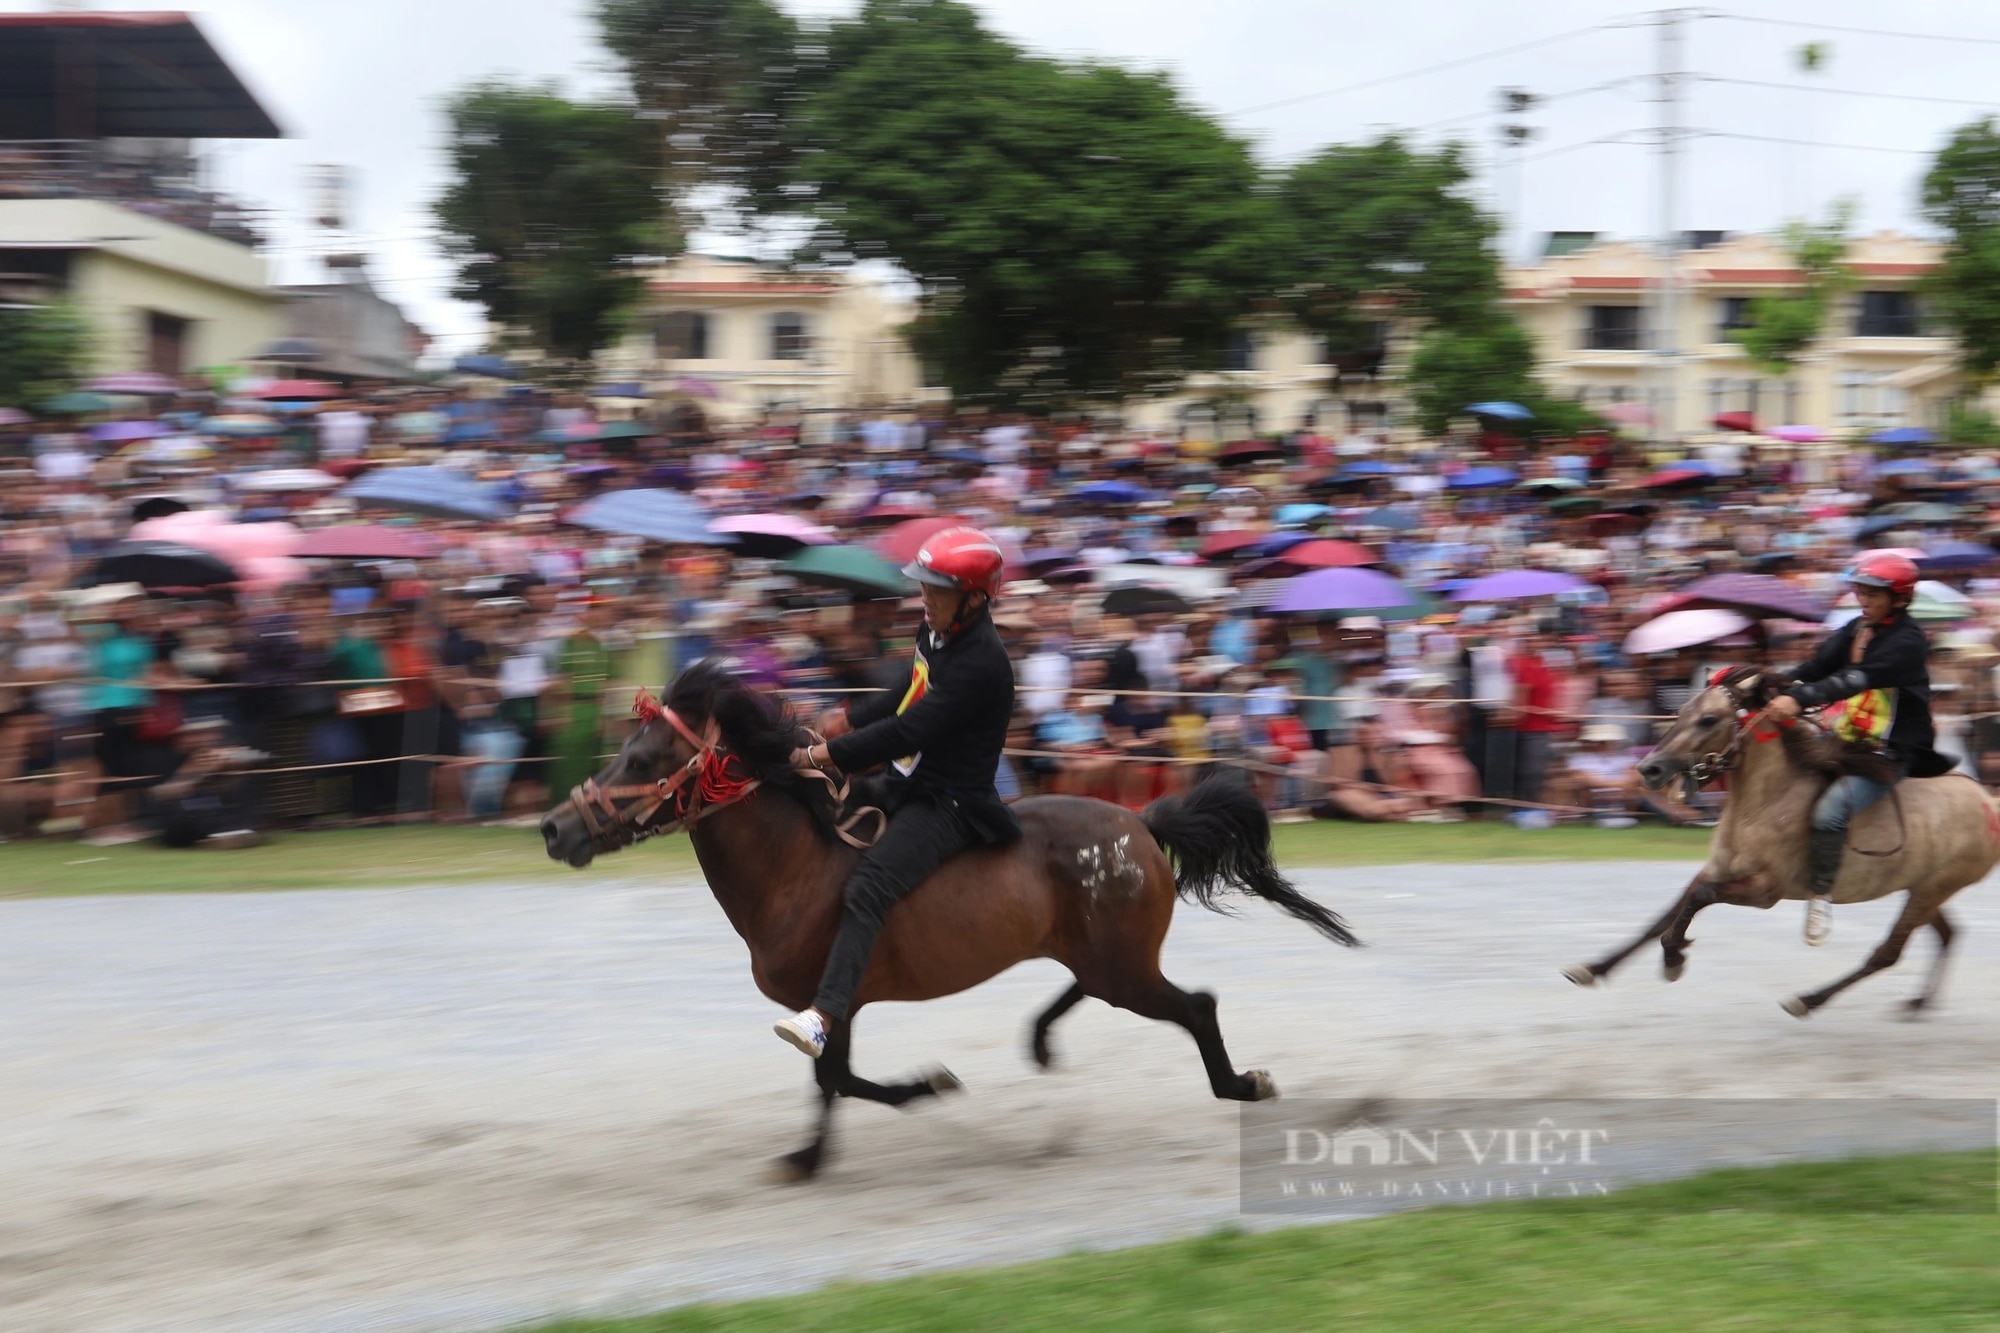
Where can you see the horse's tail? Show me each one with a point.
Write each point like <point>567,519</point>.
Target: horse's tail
<point>1219,837</point>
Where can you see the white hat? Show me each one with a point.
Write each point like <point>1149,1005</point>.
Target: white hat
<point>1602,731</point>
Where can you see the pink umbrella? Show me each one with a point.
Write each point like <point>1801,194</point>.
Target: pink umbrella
<point>136,383</point>
<point>366,541</point>
<point>1629,414</point>
<point>1797,434</point>
<point>1684,629</point>
<point>261,552</point>
<point>783,527</point>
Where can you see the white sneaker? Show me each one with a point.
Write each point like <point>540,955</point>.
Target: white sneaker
<point>805,1030</point>
<point>1819,920</point>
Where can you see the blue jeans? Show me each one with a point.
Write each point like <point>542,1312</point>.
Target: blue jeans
<point>1845,799</point>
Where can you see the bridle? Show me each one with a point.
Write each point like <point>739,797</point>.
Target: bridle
<point>612,825</point>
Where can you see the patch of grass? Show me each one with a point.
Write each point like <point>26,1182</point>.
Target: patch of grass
<point>1780,1249</point>
<point>432,854</point>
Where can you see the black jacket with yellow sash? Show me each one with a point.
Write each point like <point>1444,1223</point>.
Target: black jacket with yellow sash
<point>945,731</point>
<point>1883,700</point>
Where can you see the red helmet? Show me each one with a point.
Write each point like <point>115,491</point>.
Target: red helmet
<point>963,558</point>
<point>1884,569</point>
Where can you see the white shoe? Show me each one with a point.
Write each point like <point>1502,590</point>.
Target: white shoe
<point>1819,920</point>
<point>805,1030</point>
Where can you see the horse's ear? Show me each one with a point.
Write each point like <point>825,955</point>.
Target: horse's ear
<point>1760,688</point>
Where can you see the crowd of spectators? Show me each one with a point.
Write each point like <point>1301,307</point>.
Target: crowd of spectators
<point>486,679</point>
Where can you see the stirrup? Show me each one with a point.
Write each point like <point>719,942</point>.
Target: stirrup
<point>1819,920</point>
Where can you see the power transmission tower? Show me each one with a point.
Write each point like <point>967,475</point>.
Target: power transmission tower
<point>1513,135</point>
<point>1669,78</point>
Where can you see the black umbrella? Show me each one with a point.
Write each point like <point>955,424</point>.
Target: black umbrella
<point>1143,601</point>
<point>161,566</point>
<point>158,506</point>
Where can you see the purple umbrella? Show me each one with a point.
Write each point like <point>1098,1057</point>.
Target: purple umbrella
<point>110,431</point>
<point>1513,585</point>
<point>1341,590</point>
<point>1753,594</point>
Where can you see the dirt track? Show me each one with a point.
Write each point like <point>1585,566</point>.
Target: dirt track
<point>463,1108</point>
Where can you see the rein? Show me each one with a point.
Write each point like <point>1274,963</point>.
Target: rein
<point>715,787</point>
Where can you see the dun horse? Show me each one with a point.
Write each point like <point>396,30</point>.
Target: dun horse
<point>1934,837</point>
<point>1088,884</point>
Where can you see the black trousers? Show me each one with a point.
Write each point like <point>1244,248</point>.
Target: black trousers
<point>921,836</point>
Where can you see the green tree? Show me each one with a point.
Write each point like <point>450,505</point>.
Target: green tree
<point>1783,325</point>
<point>1375,222</point>
<point>1961,195</point>
<point>716,79</point>
<point>549,204</point>
<point>1454,366</point>
<point>44,351</point>
<point>1079,232</point>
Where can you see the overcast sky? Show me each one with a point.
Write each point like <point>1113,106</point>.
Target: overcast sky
<point>361,83</point>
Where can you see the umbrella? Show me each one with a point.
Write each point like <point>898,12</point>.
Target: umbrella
<point>297,351</point>
<point>76,404</point>
<point>1293,515</point>
<point>1330,590</point>
<point>493,367</point>
<point>854,569</point>
<point>1680,474</point>
<point>159,506</point>
<point>1743,421</point>
<point>1629,414</point>
<point>625,430</point>
<point>366,541</point>
<point>657,515</point>
<point>1511,585</point>
<point>1753,594</point>
<point>1369,467</point>
<point>1218,544</point>
<point>1934,602</point>
<point>1685,629</point>
<point>241,425</point>
<point>1798,434</point>
<point>1551,486</point>
<point>1111,492</point>
<point>1478,478</point>
<point>1945,557</point>
<point>693,386</point>
<point>284,479</point>
<point>1904,435</point>
<point>110,432</point>
<point>622,389</point>
<point>295,389</point>
<point>134,384</point>
<point>160,565</point>
<point>771,536</point>
<point>1250,451</point>
<point>1391,518</point>
<point>1144,601</point>
<point>1904,467</point>
<point>1325,553</point>
<point>441,491</point>
<point>14,416</point>
<point>167,449</point>
<point>1503,411</point>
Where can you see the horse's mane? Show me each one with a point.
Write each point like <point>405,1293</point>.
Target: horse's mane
<point>761,732</point>
<point>1808,747</point>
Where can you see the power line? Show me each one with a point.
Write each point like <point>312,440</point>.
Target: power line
<point>1808,143</point>
<point>1857,32</point>
<point>1541,100</point>
<point>1622,136</point>
<point>1419,73</point>
<point>1846,92</point>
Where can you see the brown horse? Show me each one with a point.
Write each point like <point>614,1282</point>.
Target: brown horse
<point>1935,837</point>
<point>1087,884</point>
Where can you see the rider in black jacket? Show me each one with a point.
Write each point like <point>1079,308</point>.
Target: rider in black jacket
<point>1873,676</point>
<point>944,735</point>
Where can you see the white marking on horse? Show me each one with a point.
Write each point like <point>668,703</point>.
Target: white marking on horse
<point>1107,868</point>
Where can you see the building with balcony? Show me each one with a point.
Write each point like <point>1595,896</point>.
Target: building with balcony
<point>102,194</point>
<point>1595,308</point>
<point>747,338</point>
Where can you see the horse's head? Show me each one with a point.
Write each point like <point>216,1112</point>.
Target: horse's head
<point>1704,731</point>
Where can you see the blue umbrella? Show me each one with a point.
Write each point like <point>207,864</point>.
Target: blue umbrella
<point>442,491</point>
<point>1112,492</point>
<point>1504,411</point>
<point>1294,514</point>
<point>1516,584</point>
<point>1478,478</point>
<point>661,516</point>
<point>1948,557</point>
<point>1904,435</point>
<point>1903,467</point>
<point>960,456</point>
<point>493,367</point>
<point>622,389</point>
<point>1368,467</point>
<point>1391,518</point>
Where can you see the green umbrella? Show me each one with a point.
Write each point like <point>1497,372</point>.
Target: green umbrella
<point>854,569</point>
<point>1576,504</point>
<point>76,404</point>
<point>625,430</point>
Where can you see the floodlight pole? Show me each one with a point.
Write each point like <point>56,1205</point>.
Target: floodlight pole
<point>1668,78</point>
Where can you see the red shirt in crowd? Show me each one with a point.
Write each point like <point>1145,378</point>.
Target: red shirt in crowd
<point>1535,689</point>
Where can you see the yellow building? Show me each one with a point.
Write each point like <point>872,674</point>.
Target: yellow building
<point>1595,309</point>
<point>750,338</point>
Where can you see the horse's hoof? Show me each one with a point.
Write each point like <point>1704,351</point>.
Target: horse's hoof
<point>1795,1006</point>
<point>1912,1010</point>
<point>1582,974</point>
<point>941,1081</point>
<point>1039,1049</point>
<point>1673,971</point>
<point>1262,1089</point>
<point>790,1169</point>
